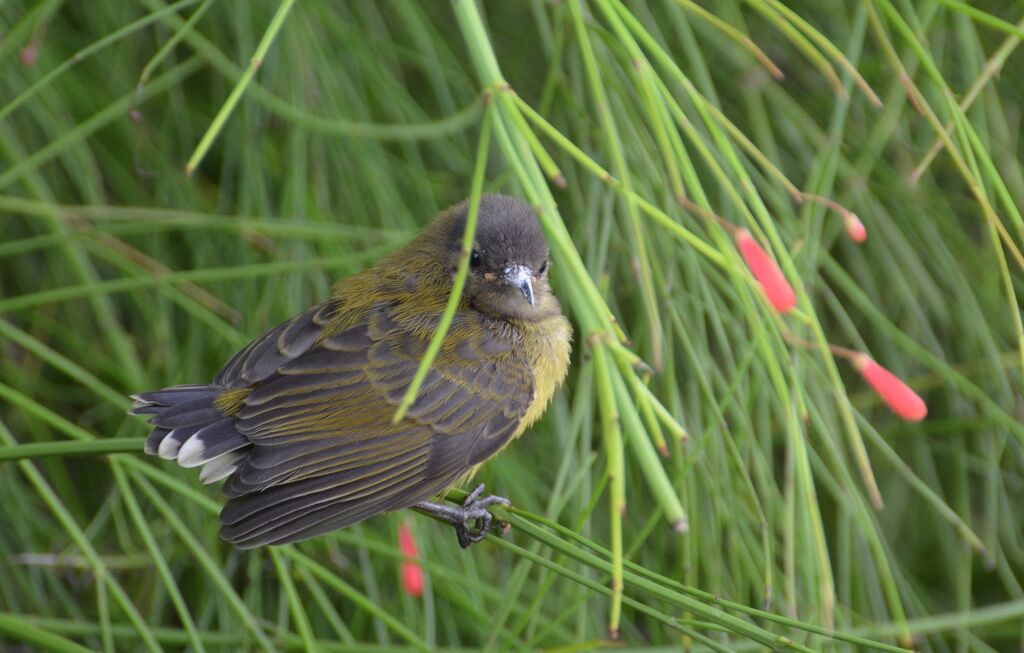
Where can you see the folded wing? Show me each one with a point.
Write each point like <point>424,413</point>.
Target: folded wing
<point>325,452</point>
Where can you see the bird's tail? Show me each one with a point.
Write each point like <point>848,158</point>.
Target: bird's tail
<point>189,427</point>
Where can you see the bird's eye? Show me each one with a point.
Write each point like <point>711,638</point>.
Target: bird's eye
<point>543,268</point>
<point>474,259</point>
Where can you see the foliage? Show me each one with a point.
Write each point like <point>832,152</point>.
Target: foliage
<point>175,178</point>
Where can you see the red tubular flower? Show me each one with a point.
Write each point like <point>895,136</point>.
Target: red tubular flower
<point>855,228</point>
<point>897,395</point>
<point>412,573</point>
<point>778,291</point>
<point>30,55</point>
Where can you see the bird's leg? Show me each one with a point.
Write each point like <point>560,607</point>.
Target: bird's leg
<point>473,508</point>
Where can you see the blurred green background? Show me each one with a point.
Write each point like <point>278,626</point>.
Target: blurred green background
<point>119,273</point>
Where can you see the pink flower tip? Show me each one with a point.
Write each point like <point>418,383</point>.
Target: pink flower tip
<point>903,401</point>
<point>412,573</point>
<point>855,228</point>
<point>767,273</point>
<point>30,55</point>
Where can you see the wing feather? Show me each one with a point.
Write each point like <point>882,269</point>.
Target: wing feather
<point>264,356</point>
<point>325,451</point>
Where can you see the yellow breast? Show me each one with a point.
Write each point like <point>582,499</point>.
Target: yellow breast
<point>547,345</point>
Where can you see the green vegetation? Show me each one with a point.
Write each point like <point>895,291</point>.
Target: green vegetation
<point>177,177</point>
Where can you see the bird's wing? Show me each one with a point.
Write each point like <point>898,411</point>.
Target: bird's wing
<point>325,450</point>
<point>265,355</point>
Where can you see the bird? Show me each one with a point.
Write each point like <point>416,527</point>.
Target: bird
<point>300,425</point>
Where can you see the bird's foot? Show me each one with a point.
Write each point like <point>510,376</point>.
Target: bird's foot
<point>473,509</point>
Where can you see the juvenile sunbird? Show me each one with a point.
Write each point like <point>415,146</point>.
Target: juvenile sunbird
<point>300,421</point>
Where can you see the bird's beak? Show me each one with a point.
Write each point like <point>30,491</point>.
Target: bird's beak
<point>521,277</point>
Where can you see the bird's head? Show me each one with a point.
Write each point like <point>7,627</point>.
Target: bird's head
<point>508,265</point>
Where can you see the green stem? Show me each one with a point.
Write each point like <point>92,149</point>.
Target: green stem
<point>61,513</point>
<point>476,190</point>
<point>17,629</point>
<point>239,90</point>
<point>102,447</point>
<point>611,427</point>
<point>204,560</point>
<point>90,50</point>
<point>159,559</point>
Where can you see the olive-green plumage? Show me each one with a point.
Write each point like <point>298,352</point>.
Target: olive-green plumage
<point>300,421</point>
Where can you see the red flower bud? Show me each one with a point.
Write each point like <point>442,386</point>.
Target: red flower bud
<point>30,55</point>
<point>897,395</point>
<point>854,227</point>
<point>412,573</point>
<point>778,291</point>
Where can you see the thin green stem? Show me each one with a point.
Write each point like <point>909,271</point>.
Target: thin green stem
<point>239,90</point>
<point>459,283</point>
<point>102,447</point>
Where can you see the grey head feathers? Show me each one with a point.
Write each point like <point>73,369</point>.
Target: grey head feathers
<point>507,233</point>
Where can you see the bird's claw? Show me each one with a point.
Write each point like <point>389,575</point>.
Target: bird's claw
<point>474,508</point>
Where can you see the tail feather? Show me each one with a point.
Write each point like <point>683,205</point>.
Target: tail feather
<point>156,436</point>
<point>175,394</point>
<point>145,409</point>
<point>198,411</point>
<point>189,428</point>
<point>221,467</point>
<point>171,444</point>
<point>212,441</point>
